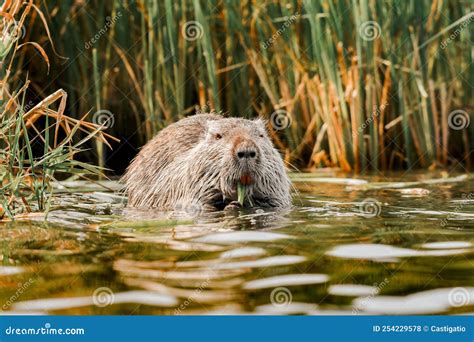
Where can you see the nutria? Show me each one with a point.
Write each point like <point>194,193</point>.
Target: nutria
<point>200,160</point>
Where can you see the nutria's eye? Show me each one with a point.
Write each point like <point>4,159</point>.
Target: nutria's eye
<point>218,136</point>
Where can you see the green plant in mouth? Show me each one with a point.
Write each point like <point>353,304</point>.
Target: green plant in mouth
<point>240,193</point>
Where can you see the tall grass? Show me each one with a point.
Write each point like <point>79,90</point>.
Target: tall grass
<point>36,139</point>
<point>365,84</point>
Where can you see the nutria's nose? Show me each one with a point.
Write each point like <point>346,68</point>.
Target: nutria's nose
<point>246,150</point>
<point>246,153</point>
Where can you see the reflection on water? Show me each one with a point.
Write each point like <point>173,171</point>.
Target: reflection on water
<point>349,246</point>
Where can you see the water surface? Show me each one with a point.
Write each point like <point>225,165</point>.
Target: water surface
<point>371,245</point>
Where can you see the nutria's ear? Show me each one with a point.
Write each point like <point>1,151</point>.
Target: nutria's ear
<point>262,123</point>
<point>211,124</point>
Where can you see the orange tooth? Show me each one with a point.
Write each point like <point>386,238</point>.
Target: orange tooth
<point>245,179</point>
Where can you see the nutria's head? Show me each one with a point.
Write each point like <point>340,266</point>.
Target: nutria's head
<point>203,160</point>
<point>240,151</point>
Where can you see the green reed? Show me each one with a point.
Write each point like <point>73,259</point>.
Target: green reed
<point>38,141</point>
<point>366,84</point>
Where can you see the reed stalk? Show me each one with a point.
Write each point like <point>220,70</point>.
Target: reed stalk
<point>366,84</point>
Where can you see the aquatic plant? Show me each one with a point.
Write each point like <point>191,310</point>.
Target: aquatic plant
<point>37,141</point>
<point>359,84</point>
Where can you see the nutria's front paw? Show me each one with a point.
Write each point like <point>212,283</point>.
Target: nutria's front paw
<point>233,205</point>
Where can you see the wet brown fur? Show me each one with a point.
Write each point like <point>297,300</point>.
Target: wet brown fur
<point>193,162</point>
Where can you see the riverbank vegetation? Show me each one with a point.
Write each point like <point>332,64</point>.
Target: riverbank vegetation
<point>359,85</point>
<point>38,141</point>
